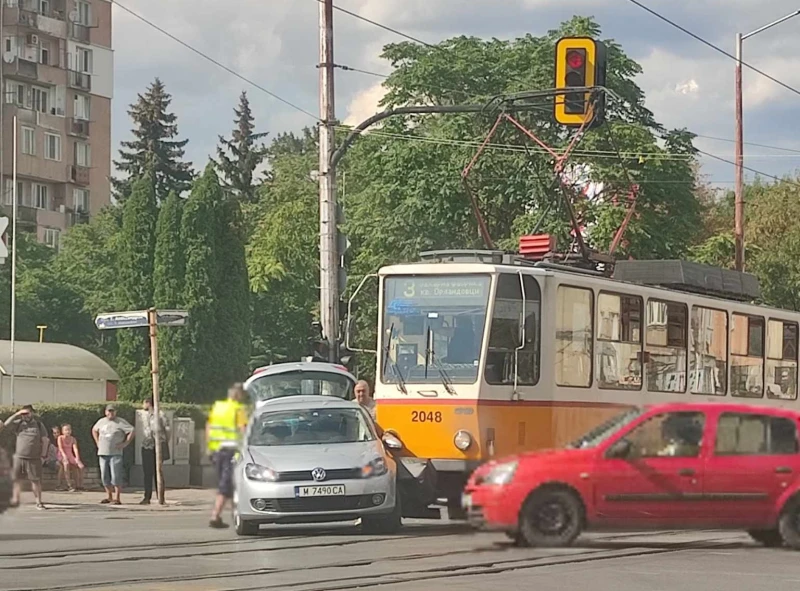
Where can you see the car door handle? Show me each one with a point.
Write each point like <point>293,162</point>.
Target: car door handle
<point>783,470</point>
<point>686,472</point>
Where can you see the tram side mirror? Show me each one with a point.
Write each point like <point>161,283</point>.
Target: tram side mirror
<point>619,450</point>
<point>392,442</point>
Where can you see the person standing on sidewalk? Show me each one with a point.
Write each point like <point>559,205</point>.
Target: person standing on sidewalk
<point>32,443</point>
<point>149,448</point>
<point>226,424</point>
<point>112,435</point>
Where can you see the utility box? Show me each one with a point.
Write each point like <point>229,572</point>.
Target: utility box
<point>182,439</point>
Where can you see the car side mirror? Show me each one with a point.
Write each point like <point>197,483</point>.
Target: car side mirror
<point>619,450</point>
<point>392,442</point>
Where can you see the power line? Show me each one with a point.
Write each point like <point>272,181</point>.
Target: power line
<point>214,61</point>
<point>753,170</point>
<point>379,25</point>
<point>712,46</point>
<point>730,141</point>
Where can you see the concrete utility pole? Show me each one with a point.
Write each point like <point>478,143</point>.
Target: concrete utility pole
<point>328,243</point>
<point>739,137</point>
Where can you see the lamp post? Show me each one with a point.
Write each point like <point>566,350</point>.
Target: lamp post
<point>739,187</point>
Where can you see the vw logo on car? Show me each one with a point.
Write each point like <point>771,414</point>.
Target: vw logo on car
<point>318,474</point>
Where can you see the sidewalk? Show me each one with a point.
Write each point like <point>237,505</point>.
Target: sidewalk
<point>187,499</point>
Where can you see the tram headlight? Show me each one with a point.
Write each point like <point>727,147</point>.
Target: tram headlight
<point>462,440</point>
<point>501,473</point>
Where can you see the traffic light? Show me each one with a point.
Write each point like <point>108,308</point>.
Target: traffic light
<point>580,63</point>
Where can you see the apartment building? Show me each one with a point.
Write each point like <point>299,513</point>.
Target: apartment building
<point>57,74</point>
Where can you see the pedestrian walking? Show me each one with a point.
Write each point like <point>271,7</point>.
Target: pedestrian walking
<point>32,443</point>
<point>112,435</point>
<point>226,424</point>
<point>149,448</point>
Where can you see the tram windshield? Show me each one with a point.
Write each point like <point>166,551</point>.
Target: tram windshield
<point>433,326</point>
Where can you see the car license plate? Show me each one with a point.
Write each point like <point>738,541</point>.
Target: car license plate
<point>331,490</point>
<point>466,501</point>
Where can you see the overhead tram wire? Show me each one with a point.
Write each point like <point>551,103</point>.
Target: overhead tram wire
<point>380,25</point>
<point>730,141</point>
<point>214,61</point>
<point>712,46</point>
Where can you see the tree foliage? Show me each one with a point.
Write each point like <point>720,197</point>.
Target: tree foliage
<point>153,148</point>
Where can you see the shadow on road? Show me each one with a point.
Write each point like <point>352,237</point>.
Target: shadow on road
<point>53,536</point>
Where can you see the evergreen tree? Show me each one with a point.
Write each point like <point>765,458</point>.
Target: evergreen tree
<point>154,147</point>
<point>203,380</point>
<point>233,295</point>
<point>168,279</point>
<point>239,156</point>
<point>136,249</point>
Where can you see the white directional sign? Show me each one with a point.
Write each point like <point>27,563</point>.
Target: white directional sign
<point>3,247</point>
<point>171,317</point>
<point>122,320</point>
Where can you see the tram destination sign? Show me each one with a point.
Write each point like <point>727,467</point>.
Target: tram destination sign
<point>452,290</point>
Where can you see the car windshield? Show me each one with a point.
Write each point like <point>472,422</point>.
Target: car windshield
<point>314,426</point>
<point>605,430</point>
<point>301,383</point>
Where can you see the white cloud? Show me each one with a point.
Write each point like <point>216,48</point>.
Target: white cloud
<point>364,104</point>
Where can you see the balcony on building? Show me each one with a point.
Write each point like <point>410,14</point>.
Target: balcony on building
<point>21,68</point>
<point>79,175</point>
<point>26,216</point>
<point>80,32</point>
<point>78,127</point>
<point>80,80</point>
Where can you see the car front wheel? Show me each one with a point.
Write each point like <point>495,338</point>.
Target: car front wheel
<point>551,518</point>
<point>771,538</point>
<point>789,525</point>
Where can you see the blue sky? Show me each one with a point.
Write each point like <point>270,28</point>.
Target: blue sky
<point>274,43</point>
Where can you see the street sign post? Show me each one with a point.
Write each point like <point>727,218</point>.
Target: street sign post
<point>151,318</point>
<point>3,247</point>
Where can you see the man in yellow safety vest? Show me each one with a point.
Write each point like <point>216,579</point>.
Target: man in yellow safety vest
<point>226,424</point>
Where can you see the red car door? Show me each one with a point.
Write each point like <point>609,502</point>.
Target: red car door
<point>755,459</point>
<point>658,479</point>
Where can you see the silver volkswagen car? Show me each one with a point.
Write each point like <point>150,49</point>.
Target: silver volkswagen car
<point>311,459</point>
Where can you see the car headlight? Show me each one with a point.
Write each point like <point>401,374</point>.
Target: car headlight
<point>376,467</point>
<point>501,473</point>
<point>260,473</point>
<point>462,440</point>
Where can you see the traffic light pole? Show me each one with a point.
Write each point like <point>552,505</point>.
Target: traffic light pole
<point>328,240</point>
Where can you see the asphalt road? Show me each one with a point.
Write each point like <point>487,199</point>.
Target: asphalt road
<point>104,548</point>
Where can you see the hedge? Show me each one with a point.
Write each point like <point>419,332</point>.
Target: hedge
<point>83,416</point>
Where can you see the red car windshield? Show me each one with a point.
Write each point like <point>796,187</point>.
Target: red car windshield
<point>605,430</point>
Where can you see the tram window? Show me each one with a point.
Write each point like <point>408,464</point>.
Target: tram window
<point>781,360</point>
<point>666,346</point>
<point>574,337</point>
<point>619,342</point>
<point>504,336</point>
<point>747,356</point>
<point>708,352</point>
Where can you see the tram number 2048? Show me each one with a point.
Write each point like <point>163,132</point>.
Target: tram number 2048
<point>421,416</point>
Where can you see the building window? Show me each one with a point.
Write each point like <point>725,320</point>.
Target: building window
<point>708,352</point>
<point>781,360</point>
<point>15,93</point>
<point>507,350</point>
<point>84,10</point>
<point>83,154</point>
<point>747,356</point>
<point>52,237</point>
<point>666,346</point>
<point>80,200</point>
<point>40,99</point>
<point>40,196</point>
<point>9,192</point>
<point>29,141</point>
<point>84,59</point>
<point>619,341</point>
<point>44,53</point>
<point>81,107</point>
<point>52,146</point>
<point>574,337</point>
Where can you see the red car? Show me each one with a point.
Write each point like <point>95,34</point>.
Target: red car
<point>670,466</point>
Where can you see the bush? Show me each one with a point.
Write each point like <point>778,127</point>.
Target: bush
<point>82,417</point>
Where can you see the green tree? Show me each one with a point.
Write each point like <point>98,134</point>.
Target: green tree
<point>137,246</point>
<point>199,235</point>
<point>168,278</point>
<point>239,156</point>
<point>154,148</point>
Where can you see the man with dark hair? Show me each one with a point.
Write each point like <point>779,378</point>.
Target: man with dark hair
<point>32,443</point>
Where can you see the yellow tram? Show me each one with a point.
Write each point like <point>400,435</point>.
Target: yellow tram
<point>483,354</point>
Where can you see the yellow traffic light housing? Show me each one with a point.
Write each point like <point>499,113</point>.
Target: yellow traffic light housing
<point>580,63</point>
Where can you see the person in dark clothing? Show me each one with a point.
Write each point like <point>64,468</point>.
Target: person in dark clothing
<point>149,448</point>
